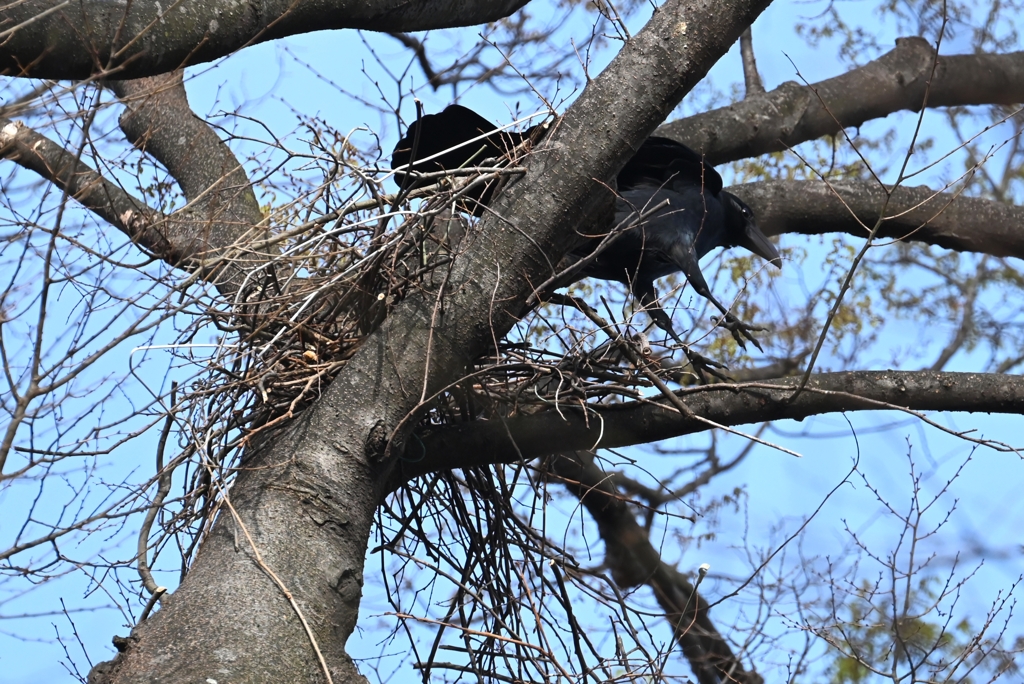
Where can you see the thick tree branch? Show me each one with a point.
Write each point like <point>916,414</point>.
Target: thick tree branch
<point>76,40</point>
<point>527,437</point>
<point>221,212</point>
<point>751,79</point>
<point>964,224</point>
<point>107,200</point>
<point>219,221</point>
<point>793,113</point>
<point>222,215</point>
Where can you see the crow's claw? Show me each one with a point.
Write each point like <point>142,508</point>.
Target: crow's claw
<point>740,331</point>
<point>702,364</point>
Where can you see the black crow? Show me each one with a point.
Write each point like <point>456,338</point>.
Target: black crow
<point>440,142</point>
<point>696,214</point>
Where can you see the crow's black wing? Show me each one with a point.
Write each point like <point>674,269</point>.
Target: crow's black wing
<point>661,160</point>
<point>433,134</point>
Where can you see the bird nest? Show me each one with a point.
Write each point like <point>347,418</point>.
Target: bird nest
<point>298,319</point>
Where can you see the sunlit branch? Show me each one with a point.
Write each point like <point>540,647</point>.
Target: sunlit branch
<point>794,113</point>
<point>569,429</point>
<point>107,200</point>
<point>920,214</point>
<point>61,40</point>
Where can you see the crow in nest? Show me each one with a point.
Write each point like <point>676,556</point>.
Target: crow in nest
<point>685,212</point>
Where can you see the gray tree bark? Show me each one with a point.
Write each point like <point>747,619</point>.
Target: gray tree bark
<point>919,214</point>
<point>60,39</point>
<point>897,81</point>
<point>526,437</point>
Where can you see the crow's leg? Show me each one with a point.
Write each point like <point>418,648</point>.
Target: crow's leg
<point>648,298</point>
<point>685,258</point>
<point>740,331</point>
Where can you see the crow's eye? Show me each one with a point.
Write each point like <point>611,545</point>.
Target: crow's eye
<point>747,212</point>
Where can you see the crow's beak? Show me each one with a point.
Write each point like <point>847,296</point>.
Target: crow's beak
<point>755,241</point>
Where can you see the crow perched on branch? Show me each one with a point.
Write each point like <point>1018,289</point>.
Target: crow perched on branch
<point>454,139</point>
<point>685,212</point>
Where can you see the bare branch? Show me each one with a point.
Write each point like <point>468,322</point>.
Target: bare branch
<point>751,79</point>
<point>107,200</point>
<point>60,40</point>
<point>418,49</point>
<point>526,437</point>
<point>792,113</point>
<point>222,212</point>
<point>633,560</point>
<point>964,224</point>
